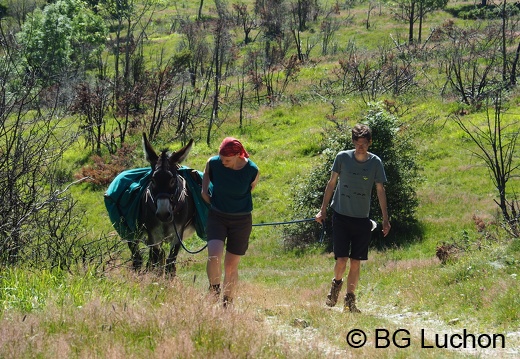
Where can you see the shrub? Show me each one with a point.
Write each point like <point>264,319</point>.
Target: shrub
<point>100,173</point>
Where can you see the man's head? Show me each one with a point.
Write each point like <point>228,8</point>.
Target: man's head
<point>361,131</point>
<point>361,138</point>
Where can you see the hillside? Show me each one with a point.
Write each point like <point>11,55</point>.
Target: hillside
<point>405,292</point>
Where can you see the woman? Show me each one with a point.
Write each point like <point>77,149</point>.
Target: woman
<point>233,176</point>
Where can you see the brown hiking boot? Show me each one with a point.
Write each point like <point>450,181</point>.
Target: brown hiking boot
<point>214,292</point>
<point>227,302</point>
<point>332,297</point>
<point>350,303</point>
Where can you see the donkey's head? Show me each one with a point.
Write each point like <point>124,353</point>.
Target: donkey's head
<point>166,186</point>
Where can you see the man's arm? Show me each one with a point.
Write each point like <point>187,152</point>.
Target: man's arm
<point>381,196</point>
<point>327,195</point>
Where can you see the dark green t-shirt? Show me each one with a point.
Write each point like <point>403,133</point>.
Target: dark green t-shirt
<point>231,188</point>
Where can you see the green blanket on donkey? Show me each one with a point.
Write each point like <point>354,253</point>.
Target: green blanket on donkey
<point>123,199</point>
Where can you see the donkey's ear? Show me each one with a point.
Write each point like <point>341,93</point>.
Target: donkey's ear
<point>149,154</point>
<point>181,154</point>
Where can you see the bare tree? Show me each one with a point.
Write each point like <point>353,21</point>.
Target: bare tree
<point>272,15</point>
<point>372,74</point>
<point>91,104</point>
<point>471,61</point>
<point>415,10</point>
<point>328,28</point>
<point>41,223</point>
<point>197,44</point>
<point>32,182</point>
<point>246,20</point>
<point>130,20</point>
<point>496,142</point>
<point>371,6</point>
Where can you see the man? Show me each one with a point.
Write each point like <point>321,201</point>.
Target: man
<point>352,178</point>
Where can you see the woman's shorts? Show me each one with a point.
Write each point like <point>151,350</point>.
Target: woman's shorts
<point>236,228</point>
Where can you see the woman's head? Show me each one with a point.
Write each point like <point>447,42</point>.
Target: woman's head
<point>230,147</point>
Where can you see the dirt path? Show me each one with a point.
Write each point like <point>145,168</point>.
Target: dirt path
<point>302,337</point>
<point>426,325</point>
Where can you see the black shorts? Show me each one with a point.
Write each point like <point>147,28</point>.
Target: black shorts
<point>351,236</point>
<point>236,228</point>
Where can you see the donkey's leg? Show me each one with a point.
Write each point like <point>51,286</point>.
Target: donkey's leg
<point>156,259</point>
<point>172,259</point>
<point>137,259</point>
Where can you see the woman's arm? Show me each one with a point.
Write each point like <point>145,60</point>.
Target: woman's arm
<point>205,184</point>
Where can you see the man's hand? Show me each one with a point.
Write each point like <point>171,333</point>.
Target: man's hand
<point>320,217</point>
<point>386,227</point>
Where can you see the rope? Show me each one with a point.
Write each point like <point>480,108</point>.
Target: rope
<point>286,222</point>
<point>322,235</point>
<point>182,243</point>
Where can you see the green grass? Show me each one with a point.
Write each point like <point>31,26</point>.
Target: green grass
<point>279,309</point>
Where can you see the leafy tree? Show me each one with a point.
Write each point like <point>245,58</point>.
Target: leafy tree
<point>64,37</point>
<point>393,144</point>
<point>19,9</point>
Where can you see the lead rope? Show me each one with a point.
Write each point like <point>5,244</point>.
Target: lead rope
<point>322,235</point>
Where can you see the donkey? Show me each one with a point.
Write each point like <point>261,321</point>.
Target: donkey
<point>167,210</point>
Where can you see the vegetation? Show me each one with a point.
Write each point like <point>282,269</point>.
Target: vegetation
<point>286,77</point>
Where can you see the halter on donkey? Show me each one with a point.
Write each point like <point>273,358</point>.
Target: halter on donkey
<point>167,210</point>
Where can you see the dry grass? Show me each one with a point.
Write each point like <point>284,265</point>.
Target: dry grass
<point>278,312</point>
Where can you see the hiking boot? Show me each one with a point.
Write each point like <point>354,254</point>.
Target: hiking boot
<point>332,297</point>
<point>214,292</point>
<point>350,303</point>
<point>228,302</point>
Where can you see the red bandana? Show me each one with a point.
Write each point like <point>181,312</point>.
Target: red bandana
<point>231,147</point>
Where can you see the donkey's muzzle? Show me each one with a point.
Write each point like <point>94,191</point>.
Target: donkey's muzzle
<point>163,210</point>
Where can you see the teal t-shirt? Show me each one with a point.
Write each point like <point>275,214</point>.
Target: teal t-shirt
<point>355,182</point>
<point>231,188</point>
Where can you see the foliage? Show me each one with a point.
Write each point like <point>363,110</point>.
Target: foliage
<point>392,142</point>
<point>488,11</point>
<point>121,313</point>
<point>64,35</point>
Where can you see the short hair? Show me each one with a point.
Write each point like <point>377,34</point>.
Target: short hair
<point>361,131</point>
